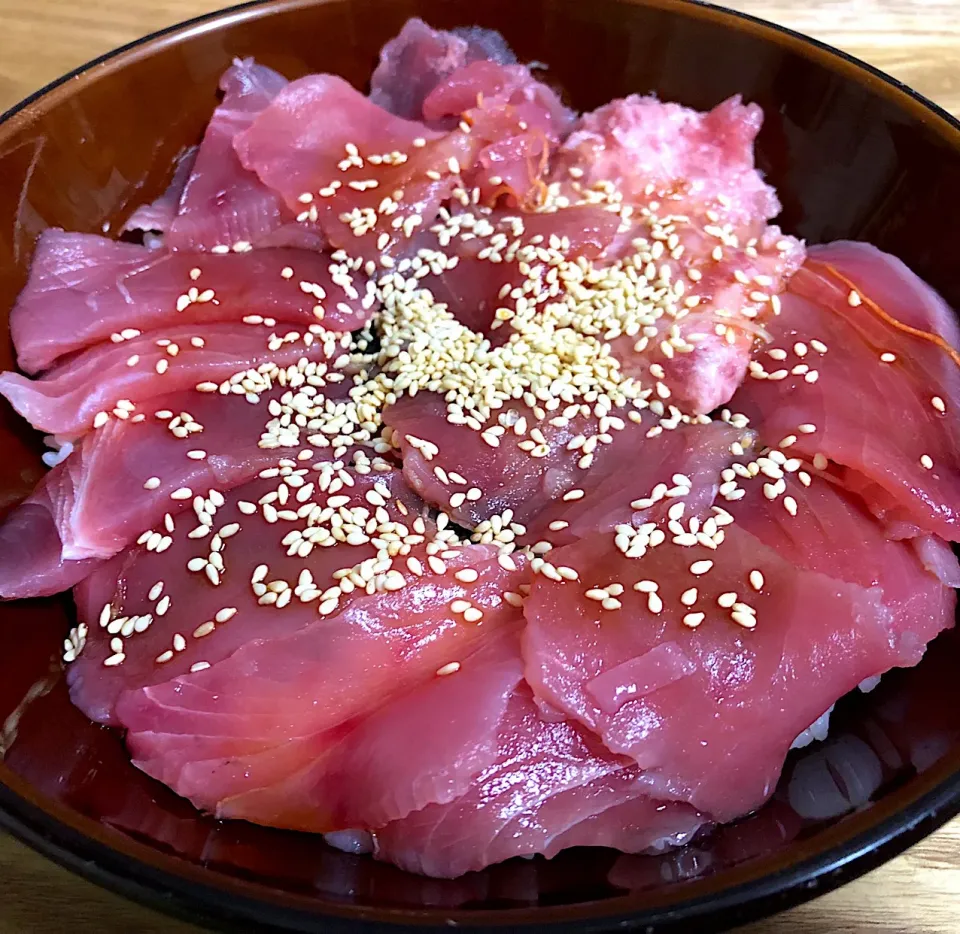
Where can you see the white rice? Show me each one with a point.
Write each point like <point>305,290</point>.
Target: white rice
<point>357,842</point>
<point>59,451</point>
<point>818,730</point>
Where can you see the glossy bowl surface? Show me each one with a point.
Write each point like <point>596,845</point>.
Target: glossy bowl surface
<point>852,153</point>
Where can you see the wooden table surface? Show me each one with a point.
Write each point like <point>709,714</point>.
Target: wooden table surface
<point>918,41</point>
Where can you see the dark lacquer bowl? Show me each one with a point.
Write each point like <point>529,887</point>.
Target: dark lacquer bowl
<point>852,154</point>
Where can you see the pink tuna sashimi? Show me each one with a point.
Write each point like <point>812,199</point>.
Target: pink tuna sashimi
<point>126,583</point>
<point>550,787</point>
<point>83,289</point>
<point>446,729</point>
<point>884,401</point>
<point>651,684</point>
<point>832,534</point>
<point>31,553</point>
<point>158,215</point>
<point>687,180</point>
<point>508,477</point>
<point>531,483</point>
<point>700,350</point>
<point>517,120</point>
<point>323,140</point>
<point>223,203</point>
<point>66,399</point>
<point>119,480</point>
<point>490,245</point>
<point>308,685</point>
<point>706,159</point>
<point>418,58</point>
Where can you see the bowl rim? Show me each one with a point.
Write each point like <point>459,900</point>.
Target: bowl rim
<point>170,885</point>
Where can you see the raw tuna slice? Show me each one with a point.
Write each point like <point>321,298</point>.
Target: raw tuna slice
<point>832,534</point>
<point>282,702</point>
<point>517,120</point>
<point>126,584</point>
<point>158,215</point>
<point>489,247</point>
<point>702,678</point>
<point>119,481</point>
<point>695,217</point>
<point>84,289</point>
<point>418,58</point>
<point>550,787</point>
<point>67,399</point>
<point>446,730</point>
<point>31,553</point>
<point>706,159</point>
<point>875,382</point>
<point>223,203</point>
<point>328,151</point>
<point>518,476</point>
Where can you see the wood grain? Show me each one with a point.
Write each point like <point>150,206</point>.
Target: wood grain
<point>918,41</point>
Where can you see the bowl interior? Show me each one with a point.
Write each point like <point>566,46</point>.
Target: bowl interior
<point>851,156</point>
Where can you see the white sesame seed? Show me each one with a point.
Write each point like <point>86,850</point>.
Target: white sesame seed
<point>692,620</point>
<point>448,669</point>
<point>926,461</point>
<point>700,567</point>
<point>853,299</point>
